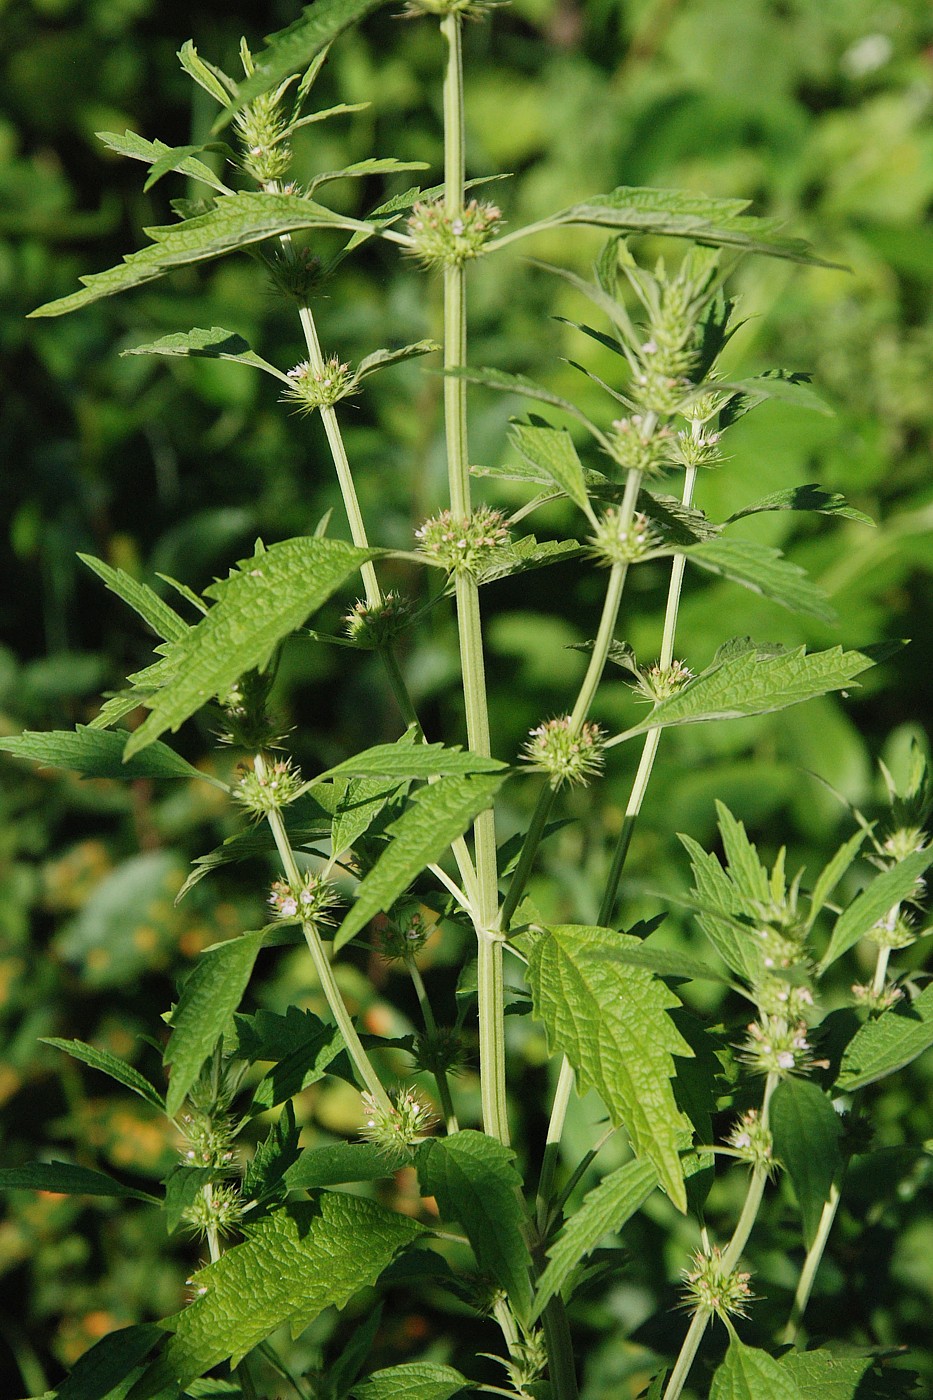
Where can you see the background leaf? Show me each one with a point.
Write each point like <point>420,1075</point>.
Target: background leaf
<point>806,1130</point>
<point>414,1380</point>
<point>68,1180</point>
<point>883,1046</point>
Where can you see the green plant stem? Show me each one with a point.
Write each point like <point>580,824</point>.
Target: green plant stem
<point>361,1062</point>
<point>430,1025</point>
<point>469,624</point>
<point>812,1262</point>
<point>730,1258</point>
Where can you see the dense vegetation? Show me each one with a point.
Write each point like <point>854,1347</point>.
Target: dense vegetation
<point>819,113</point>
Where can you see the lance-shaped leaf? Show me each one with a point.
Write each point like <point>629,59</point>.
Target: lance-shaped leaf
<point>474,1181</point>
<point>764,570</point>
<point>781,385</point>
<point>437,816</point>
<point>96,1374</point>
<point>679,214</point>
<point>876,902</point>
<point>806,1130</point>
<point>553,451</point>
<point>607,1207</point>
<point>413,1380</point>
<point>809,497</point>
<point>748,1373</point>
<point>294,48</point>
<point>98,753</point>
<point>65,1179</point>
<point>163,620</point>
<point>380,359</point>
<point>358,807</point>
<point>211,993</point>
<point>745,679</point>
<point>237,221</point>
<point>162,158</point>
<point>266,598</point>
<point>611,1022</point>
<point>213,344</point>
<point>885,1045</point>
<point>108,1064</point>
<point>294,1262</point>
<point>410,761</point>
<point>374,165</point>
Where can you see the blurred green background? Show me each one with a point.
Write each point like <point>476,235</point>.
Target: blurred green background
<point>822,114</point>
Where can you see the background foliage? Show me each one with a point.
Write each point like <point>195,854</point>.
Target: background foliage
<point>821,114</point>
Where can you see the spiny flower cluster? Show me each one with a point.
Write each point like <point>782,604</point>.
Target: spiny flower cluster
<point>404,933</point>
<point>777,1046</point>
<point>620,541</point>
<point>656,683</point>
<point>698,448</point>
<point>313,388</point>
<point>375,624</point>
<point>296,272</point>
<point>262,129</point>
<point>440,239</point>
<point>469,9</point>
<point>568,753</point>
<point>638,444</point>
<point>875,999</point>
<point>712,1289</point>
<point>752,1140</point>
<point>275,788</point>
<point>440,1051</point>
<point>311,901</point>
<point>215,1208</point>
<point>777,997</point>
<point>396,1130</point>
<point>208,1140</point>
<point>463,542</point>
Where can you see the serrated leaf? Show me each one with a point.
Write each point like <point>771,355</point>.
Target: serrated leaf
<point>681,524</point>
<point>358,807</point>
<point>806,1131</point>
<point>755,682</point>
<point>474,1180</point>
<point>212,80</point>
<point>413,1380</point>
<point>108,1064</point>
<point>764,570</point>
<point>162,158</point>
<point>65,1179</point>
<point>611,1022</point>
<point>678,214</point>
<point>237,221</point>
<point>875,902</point>
<point>411,761</point>
<point>782,385</point>
<point>294,48</point>
<point>887,1044</point>
<point>824,1375</point>
<point>524,555</point>
<point>269,596</point>
<point>98,753</point>
<point>809,497</point>
<point>306,1064</point>
<point>553,451</point>
<point>294,1262</point>
<point>213,344</point>
<point>436,816</point>
<point>379,359</point>
<point>718,902</point>
<point>337,1164</point>
<point>373,165</point>
<point>606,1208</point>
<point>665,962</point>
<point>211,993</point>
<point>163,620</point>
<point>95,1374</point>
<point>748,1373</point>
<point>265,1175</point>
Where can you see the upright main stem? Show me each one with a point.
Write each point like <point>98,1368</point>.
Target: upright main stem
<point>489,966</point>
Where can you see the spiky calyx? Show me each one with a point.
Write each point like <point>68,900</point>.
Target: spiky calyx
<point>311,389</point>
<point>714,1290</point>
<point>441,239</point>
<point>463,542</point>
<point>568,753</point>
